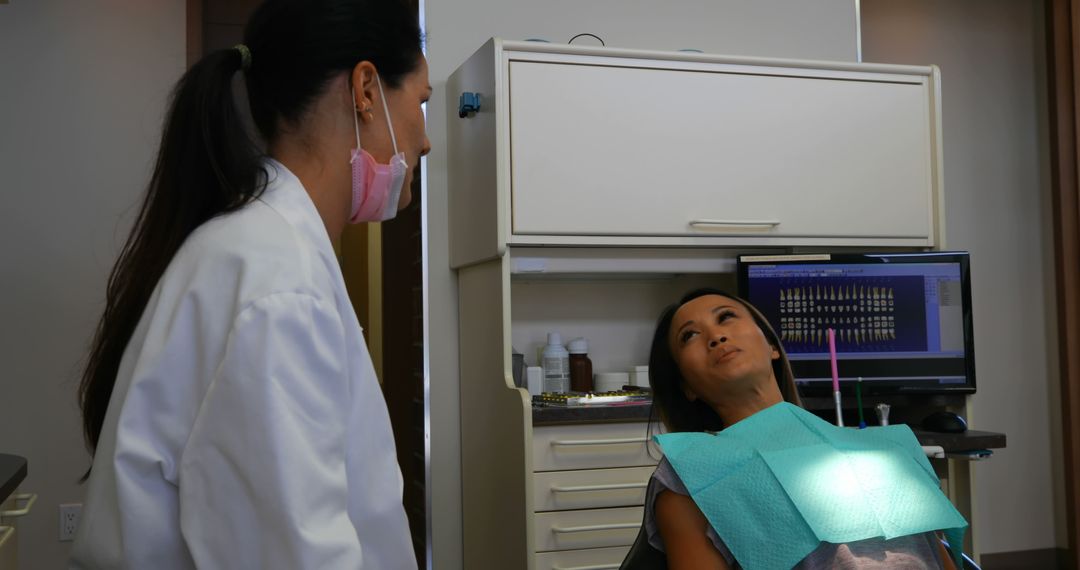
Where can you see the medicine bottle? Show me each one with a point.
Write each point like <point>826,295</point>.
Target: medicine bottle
<point>581,379</point>
<point>556,363</point>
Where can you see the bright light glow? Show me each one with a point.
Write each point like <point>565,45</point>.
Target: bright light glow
<point>845,491</point>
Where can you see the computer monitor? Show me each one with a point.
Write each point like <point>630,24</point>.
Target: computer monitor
<point>902,321</point>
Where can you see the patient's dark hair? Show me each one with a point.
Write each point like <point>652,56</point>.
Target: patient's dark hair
<point>677,412</point>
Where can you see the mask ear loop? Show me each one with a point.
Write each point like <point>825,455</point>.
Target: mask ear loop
<point>356,125</point>
<point>386,110</point>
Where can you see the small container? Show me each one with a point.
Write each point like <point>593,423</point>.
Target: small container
<point>640,376</point>
<point>611,381</point>
<point>581,379</point>
<point>882,414</point>
<point>556,363</point>
<point>517,367</point>
<point>534,379</point>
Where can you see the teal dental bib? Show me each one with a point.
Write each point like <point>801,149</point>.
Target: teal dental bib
<point>777,484</point>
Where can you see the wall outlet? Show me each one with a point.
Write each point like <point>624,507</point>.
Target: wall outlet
<point>69,520</point>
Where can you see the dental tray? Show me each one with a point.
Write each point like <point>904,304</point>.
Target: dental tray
<point>574,399</point>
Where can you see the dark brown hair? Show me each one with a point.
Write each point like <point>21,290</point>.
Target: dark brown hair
<point>677,412</point>
<point>208,164</point>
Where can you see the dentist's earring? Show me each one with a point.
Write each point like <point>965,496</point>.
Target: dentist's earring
<point>366,114</point>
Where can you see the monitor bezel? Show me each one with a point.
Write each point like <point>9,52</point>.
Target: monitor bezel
<point>744,262</point>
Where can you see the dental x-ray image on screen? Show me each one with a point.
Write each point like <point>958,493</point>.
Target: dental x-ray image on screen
<point>902,320</point>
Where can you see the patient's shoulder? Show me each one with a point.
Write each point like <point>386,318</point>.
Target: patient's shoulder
<point>664,478</point>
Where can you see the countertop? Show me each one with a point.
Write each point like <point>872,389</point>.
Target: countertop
<point>969,440</point>
<point>556,415</point>
<point>12,472</point>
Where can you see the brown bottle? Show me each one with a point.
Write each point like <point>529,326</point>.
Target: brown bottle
<point>580,366</point>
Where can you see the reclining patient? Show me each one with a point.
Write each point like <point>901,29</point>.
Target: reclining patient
<point>740,485</point>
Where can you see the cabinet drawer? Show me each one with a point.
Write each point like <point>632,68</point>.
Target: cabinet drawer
<point>592,446</point>
<point>591,559</point>
<point>593,528</point>
<point>590,489</point>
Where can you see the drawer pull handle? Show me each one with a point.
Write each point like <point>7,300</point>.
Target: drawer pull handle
<point>5,534</point>
<point>600,441</point>
<point>595,527</point>
<point>762,224</point>
<point>30,499</point>
<point>612,487</point>
<point>594,567</point>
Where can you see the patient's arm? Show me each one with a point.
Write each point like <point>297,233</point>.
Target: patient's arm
<point>683,529</point>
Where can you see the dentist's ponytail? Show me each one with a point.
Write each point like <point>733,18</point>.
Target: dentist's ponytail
<point>209,163</point>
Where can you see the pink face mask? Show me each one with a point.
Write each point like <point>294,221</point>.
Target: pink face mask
<point>376,188</point>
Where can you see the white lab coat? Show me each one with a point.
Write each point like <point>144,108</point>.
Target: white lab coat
<point>247,428</point>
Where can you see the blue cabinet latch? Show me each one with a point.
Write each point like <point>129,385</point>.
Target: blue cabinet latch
<point>468,103</point>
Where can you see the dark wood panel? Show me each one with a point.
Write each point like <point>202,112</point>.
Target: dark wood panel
<point>230,11</point>
<point>1063,19</point>
<point>403,358</point>
<point>194,27</point>
<point>1044,559</point>
<point>221,36</point>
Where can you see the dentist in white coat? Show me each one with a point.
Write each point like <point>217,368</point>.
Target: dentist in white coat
<point>229,400</point>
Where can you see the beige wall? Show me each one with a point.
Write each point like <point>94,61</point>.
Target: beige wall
<point>82,93</point>
<point>992,58</point>
<point>825,29</point>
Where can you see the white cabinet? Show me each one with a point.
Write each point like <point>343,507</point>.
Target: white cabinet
<point>650,163</point>
<point>589,487</point>
<point>11,510</point>
<point>587,146</point>
<point>550,495</point>
<point>9,547</point>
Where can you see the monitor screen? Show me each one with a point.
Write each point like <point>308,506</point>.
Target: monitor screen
<point>902,321</point>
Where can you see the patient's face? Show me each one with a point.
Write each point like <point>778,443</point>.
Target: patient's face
<point>719,348</point>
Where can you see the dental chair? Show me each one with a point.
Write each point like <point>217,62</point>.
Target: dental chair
<point>642,555</point>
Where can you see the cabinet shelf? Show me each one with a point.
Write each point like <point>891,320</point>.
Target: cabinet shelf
<point>626,262</point>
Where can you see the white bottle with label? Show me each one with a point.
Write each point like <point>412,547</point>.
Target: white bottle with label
<point>556,363</point>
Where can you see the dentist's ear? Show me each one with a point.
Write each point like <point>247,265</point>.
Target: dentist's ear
<point>364,89</point>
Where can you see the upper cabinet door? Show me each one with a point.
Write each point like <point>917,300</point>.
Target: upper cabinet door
<point>771,153</point>
<point>589,146</point>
